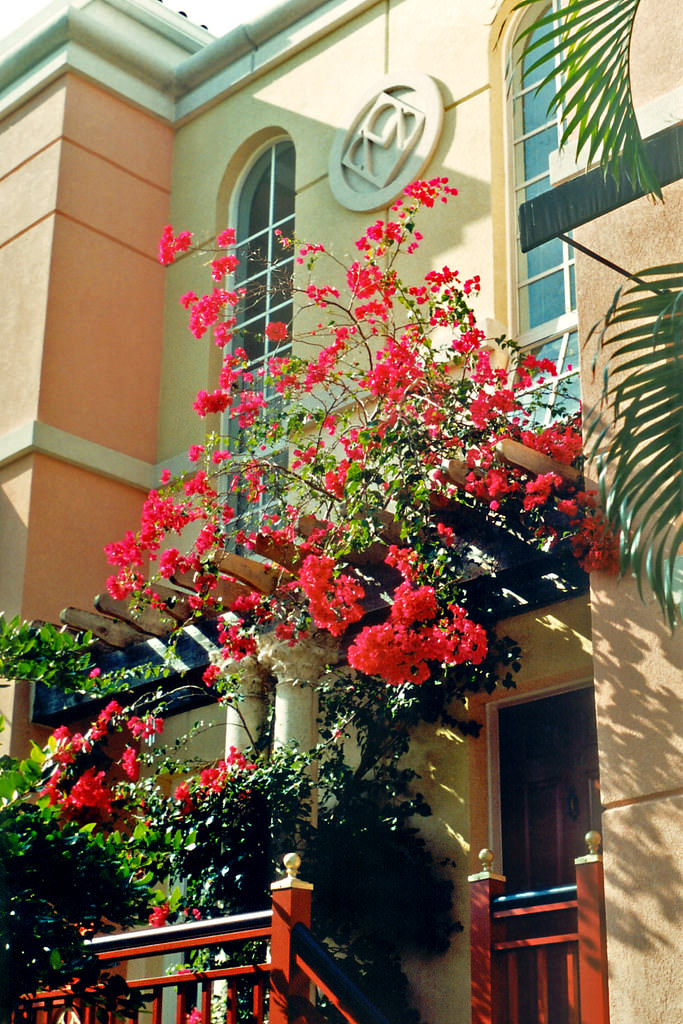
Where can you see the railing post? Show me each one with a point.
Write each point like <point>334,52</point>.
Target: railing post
<point>485,988</point>
<point>590,896</point>
<point>291,905</point>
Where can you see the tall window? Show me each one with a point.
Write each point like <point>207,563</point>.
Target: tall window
<point>265,212</point>
<point>546,298</point>
<point>266,206</point>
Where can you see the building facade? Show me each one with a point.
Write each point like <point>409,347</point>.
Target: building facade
<point>117,117</point>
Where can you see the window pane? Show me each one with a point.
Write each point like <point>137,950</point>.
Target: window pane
<point>266,203</point>
<point>537,150</point>
<point>284,181</point>
<point>544,300</point>
<point>531,56</point>
<point>571,358</point>
<point>549,350</point>
<point>535,108</point>
<point>543,258</point>
<point>542,185</point>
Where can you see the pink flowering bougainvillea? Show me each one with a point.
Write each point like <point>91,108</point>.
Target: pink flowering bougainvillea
<point>395,381</point>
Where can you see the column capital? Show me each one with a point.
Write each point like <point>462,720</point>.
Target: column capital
<point>298,663</point>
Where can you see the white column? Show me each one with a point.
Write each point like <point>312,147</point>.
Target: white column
<point>246,712</point>
<point>296,669</point>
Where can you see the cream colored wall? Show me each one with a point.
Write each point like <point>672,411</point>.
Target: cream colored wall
<point>308,98</point>
<point>639,691</point>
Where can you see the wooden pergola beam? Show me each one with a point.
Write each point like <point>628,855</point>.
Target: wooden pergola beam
<point>519,455</point>
<point>225,589</point>
<point>147,619</point>
<point>257,575</point>
<point>112,631</point>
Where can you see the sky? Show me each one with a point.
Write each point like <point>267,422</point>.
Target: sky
<point>218,15</point>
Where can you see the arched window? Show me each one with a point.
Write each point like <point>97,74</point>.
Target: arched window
<point>545,286</point>
<point>265,212</point>
<point>265,209</point>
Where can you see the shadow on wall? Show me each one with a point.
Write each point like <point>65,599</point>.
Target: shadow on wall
<point>638,673</point>
<point>14,494</point>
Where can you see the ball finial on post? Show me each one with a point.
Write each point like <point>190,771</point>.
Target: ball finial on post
<point>593,842</point>
<point>292,863</point>
<point>486,859</point>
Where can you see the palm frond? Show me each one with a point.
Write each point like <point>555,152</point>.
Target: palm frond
<point>638,445</point>
<point>589,41</point>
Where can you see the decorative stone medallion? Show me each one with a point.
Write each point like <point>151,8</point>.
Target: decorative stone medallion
<point>391,139</point>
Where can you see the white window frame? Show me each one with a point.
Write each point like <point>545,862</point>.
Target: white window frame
<point>565,324</point>
<point>270,313</point>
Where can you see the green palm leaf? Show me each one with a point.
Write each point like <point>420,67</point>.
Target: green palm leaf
<point>638,446</point>
<point>589,41</point>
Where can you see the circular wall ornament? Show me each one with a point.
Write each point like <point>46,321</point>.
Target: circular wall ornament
<point>391,139</point>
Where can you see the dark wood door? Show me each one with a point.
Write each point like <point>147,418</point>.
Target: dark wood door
<point>550,792</point>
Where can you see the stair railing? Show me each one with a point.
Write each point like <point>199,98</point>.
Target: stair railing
<point>278,988</point>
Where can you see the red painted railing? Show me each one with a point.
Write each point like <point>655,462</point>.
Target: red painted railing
<point>278,988</point>
<point>172,997</point>
<point>539,958</point>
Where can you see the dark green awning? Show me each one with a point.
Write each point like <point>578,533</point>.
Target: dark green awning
<point>590,195</point>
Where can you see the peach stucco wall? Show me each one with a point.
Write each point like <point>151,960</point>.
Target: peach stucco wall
<point>83,196</point>
<point>74,513</point>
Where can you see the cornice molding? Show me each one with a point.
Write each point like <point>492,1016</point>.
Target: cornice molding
<point>154,58</point>
<point>35,438</point>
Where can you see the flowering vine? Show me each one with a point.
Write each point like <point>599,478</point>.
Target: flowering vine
<point>393,407</point>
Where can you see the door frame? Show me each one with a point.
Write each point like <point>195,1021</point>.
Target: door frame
<point>495,825</point>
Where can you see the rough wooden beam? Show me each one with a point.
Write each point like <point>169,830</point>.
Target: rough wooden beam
<point>112,631</point>
<point>375,552</point>
<point>517,454</point>
<point>285,554</point>
<point>457,471</point>
<point>148,619</point>
<point>225,589</point>
<point>259,576</point>
<point>228,590</point>
<point>176,602</point>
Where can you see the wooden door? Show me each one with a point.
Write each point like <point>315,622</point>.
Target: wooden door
<point>550,793</point>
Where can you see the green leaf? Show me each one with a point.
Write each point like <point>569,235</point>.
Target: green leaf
<point>11,782</point>
<point>638,444</point>
<point>591,41</point>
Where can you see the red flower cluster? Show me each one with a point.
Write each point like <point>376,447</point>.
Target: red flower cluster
<point>159,916</point>
<point>130,764</point>
<point>276,331</point>
<point>144,728</point>
<point>170,245</point>
<point>235,644</point>
<point>334,601</point>
<point>403,649</point>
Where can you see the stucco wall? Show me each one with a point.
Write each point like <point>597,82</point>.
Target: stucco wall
<point>84,195</point>
<point>639,690</point>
